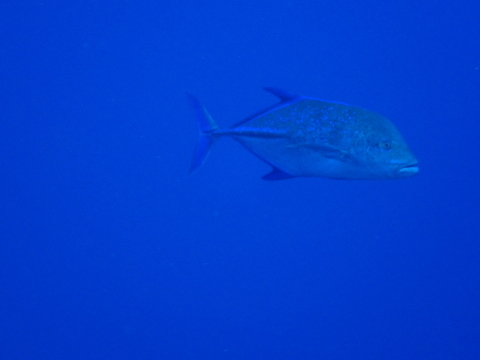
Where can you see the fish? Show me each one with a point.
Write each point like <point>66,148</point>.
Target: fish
<point>307,137</point>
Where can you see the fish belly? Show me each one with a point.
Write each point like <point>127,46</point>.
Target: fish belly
<point>298,160</point>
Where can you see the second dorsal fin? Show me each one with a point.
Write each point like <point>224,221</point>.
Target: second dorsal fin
<point>284,96</point>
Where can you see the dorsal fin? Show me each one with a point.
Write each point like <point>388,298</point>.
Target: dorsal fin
<point>284,96</point>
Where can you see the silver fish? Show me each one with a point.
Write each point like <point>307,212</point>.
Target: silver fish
<point>303,136</point>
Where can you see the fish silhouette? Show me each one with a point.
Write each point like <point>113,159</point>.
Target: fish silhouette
<point>302,136</point>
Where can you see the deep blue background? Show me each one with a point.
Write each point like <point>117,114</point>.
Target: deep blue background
<point>109,250</point>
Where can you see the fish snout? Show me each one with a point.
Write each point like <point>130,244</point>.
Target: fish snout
<point>409,169</point>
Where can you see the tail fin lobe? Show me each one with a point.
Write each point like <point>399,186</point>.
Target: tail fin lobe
<point>206,129</point>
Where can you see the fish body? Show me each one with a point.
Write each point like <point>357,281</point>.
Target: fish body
<point>306,137</point>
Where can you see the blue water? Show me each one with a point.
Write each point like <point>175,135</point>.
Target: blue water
<point>109,250</point>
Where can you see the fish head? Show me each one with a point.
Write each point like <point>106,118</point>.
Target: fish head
<point>389,155</point>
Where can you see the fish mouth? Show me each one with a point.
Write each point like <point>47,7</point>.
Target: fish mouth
<point>409,170</point>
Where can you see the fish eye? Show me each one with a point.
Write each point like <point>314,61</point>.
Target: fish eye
<point>384,145</point>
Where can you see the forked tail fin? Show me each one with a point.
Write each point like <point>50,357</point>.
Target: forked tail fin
<point>206,130</point>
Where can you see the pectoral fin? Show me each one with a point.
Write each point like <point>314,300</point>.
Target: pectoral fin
<point>328,151</point>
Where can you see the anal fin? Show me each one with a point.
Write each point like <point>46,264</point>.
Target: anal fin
<point>277,174</point>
